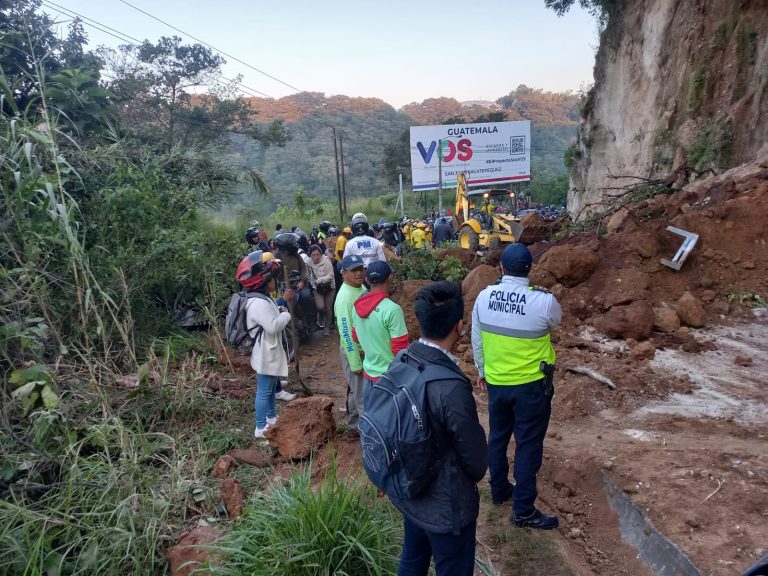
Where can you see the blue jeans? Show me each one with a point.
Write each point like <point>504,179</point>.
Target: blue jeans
<point>454,555</point>
<point>522,410</point>
<point>265,398</point>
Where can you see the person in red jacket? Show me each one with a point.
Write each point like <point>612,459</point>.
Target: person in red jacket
<point>378,324</point>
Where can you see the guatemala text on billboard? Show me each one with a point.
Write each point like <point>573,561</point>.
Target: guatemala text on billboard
<point>489,153</point>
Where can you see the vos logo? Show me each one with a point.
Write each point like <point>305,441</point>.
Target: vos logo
<point>462,150</point>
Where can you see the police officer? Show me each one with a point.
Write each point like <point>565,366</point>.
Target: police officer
<point>511,324</point>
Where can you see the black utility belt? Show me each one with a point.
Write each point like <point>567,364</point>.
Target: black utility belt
<point>539,381</point>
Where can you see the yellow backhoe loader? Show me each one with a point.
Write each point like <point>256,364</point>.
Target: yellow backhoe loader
<point>487,218</point>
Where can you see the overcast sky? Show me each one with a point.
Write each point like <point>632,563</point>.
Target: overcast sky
<point>399,51</point>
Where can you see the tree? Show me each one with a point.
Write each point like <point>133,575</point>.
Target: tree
<point>600,9</point>
<point>30,51</point>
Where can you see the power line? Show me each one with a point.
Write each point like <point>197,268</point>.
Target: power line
<point>228,55</point>
<point>135,41</point>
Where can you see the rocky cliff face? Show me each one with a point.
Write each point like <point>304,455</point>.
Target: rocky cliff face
<point>679,85</point>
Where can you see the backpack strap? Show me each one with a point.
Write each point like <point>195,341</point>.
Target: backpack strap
<point>259,329</point>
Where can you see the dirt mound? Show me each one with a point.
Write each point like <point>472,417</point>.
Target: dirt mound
<point>468,258</point>
<point>405,295</point>
<point>723,274</point>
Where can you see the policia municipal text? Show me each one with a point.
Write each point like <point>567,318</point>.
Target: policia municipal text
<point>511,322</point>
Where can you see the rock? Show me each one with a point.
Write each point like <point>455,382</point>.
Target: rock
<point>467,258</point>
<point>475,282</point>
<point>564,506</point>
<point>405,296</point>
<point>571,265</point>
<point>188,554</point>
<point>541,277</point>
<point>690,310</point>
<point>608,465</point>
<point>617,219</point>
<point>748,265</point>
<point>647,246</point>
<point>231,493</point>
<point>628,285</point>
<point>665,320</point>
<point>576,533</point>
<point>634,320</point>
<point>707,295</point>
<point>558,290</point>
<point>305,424</point>
<point>252,456</point>
<point>706,282</point>
<point>223,466</point>
<point>644,350</point>
<point>719,307</point>
<point>743,360</point>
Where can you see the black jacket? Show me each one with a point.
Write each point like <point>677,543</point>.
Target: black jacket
<point>452,501</point>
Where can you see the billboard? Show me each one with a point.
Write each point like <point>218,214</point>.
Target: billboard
<point>489,153</point>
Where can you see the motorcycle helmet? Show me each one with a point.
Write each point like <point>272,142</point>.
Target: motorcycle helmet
<point>324,226</point>
<point>359,224</point>
<point>252,236</point>
<point>256,270</point>
<point>287,242</point>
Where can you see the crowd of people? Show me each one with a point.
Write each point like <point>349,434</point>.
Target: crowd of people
<point>349,279</point>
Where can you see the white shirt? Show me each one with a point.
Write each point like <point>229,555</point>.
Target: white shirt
<point>369,249</point>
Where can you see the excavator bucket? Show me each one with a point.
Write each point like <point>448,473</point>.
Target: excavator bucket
<point>517,230</point>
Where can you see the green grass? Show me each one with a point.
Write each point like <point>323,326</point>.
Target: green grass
<point>337,528</point>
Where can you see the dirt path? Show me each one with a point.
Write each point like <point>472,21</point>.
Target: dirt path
<point>692,458</point>
<point>685,437</point>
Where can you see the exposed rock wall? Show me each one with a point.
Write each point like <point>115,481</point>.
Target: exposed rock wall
<point>678,84</point>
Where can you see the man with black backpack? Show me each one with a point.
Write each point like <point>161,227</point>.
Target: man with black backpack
<point>439,514</point>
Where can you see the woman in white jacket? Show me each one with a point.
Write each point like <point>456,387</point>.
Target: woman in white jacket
<point>257,273</point>
<point>324,285</point>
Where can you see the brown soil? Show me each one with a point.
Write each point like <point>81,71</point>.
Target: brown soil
<point>685,432</point>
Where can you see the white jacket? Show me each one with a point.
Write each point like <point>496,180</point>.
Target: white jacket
<point>268,356</point>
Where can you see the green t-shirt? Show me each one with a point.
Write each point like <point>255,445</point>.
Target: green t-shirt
<point>375,332</point>
<point>342,308</point>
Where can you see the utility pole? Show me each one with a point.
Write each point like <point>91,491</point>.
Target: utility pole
<point>338,179</point>
<point>440,177</point>
<point>343,177</point>
<point>402,203</point>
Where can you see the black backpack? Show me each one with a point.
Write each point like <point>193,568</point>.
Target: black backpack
<point>399,454</point>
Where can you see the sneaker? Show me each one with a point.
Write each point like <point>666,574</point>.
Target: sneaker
<point>261,433</point>
<point>506,496</point>
<point>271,421</point>
<point>536,519</point>
<point>285,396</point>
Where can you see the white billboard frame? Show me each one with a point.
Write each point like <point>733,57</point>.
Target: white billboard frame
<point>489,153</point>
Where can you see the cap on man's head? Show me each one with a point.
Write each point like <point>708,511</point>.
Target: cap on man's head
<point>517,260</point>
<point>378,272</point>
<point>351,262</point>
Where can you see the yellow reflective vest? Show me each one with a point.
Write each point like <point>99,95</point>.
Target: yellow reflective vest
<point>417,237</point>
<point>511,323</point>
